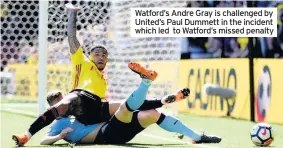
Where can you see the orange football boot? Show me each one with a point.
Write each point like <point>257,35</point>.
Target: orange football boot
<point>144,73</point>
<point>20,139</point>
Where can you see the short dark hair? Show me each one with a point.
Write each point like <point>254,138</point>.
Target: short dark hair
<point>51,96</point>
<point>99,47</point>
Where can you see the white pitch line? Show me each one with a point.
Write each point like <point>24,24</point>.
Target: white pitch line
<point>27,105</point>
<point>179,141</point>
<point>21,112</point>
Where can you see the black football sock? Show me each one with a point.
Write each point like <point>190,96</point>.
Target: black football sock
<point>45,119</point>
<point>151,104</point>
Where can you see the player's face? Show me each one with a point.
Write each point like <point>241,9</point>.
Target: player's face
<point>100,58</point>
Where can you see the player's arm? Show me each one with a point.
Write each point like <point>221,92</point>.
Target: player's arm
<point>50,138</point>
<point>71,28</point>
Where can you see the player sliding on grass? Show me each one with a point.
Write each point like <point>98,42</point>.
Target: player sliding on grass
<point>126,123</point>
<point>85,107</point>
<point>87,75</point>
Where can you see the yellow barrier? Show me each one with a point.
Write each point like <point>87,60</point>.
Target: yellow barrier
<point>26,78</point>
<point>166,82</point>
<point>167,77</point>
<point>232,73</point>
<point>268,90</point>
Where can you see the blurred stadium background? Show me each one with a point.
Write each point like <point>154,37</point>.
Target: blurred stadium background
<point>251,66</point>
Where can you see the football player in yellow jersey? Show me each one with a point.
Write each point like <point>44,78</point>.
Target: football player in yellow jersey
<point>90,85</point>
<point>87,72</point>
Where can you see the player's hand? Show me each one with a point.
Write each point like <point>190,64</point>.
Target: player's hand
<point>64,132</point>
<point>70,6</point>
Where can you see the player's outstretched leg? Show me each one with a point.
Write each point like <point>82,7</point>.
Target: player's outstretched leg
<point>134,102</point>
<point>45,119</point>
<point>146,118</point>
<point>136,99</point>
<point>171,124</point>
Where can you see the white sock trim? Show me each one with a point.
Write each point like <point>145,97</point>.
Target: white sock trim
<point>147,81</point>
<point>28,134</point>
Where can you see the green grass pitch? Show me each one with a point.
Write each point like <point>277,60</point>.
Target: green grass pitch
<point>235,133</point>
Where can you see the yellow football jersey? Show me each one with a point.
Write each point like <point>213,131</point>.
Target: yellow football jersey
<point>85,75</point>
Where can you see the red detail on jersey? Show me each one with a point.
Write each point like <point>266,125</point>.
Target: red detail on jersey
<point>43,117</point>
<point>264,132</point>
<point>77,76</point>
